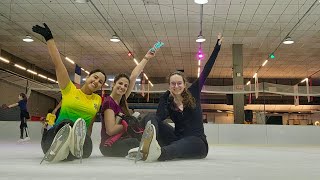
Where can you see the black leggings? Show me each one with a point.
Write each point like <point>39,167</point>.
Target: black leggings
<point>49,135</point>
<point>119,148</point>
<point>189,147</point>
<point>24,115</point>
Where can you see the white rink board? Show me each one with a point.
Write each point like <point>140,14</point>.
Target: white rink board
<point>216,133</point>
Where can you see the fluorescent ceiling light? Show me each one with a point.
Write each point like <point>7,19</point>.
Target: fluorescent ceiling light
<point>255,74</point>
<point>145,76</point>
<point>52,80</point>
<point>32,72</point>
<point>4,60</point>
<point>265,62</point>
<point>20,67</point>
<point>111,79</point>
<point>135,61</point>
<point>44,77</point>
<point>68,59</point>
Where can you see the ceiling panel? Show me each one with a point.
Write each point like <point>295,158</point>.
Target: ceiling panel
<point>81,33</point>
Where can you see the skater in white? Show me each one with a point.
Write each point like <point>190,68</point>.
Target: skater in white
<point>72,129</point>
<point>119,131</point>
<point>24,114</point>
<point>187,140</point>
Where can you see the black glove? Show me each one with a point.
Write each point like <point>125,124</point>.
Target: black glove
<point>44,31</point>
<point>131,120</point>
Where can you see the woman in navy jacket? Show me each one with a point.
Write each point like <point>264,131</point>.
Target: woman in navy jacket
<point>187,139</point>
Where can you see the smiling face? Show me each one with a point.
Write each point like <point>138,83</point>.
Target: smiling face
<point>120,86</point>
<point>95,81</point>
<point>176,84</point>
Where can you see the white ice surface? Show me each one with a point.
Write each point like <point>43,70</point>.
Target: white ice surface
<point>225,162</point>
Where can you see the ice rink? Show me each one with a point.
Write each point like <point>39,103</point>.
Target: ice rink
<point>21,161</point>
<point>225,162</point>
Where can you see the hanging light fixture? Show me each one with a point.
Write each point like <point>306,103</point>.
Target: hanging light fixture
<point>115,38</point>
<point>288,40</point>
<point>201,1</point>
<point>27,39</point>
<point>200,39</point>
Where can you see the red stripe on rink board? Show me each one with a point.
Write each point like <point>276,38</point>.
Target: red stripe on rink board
<point>36,118</point>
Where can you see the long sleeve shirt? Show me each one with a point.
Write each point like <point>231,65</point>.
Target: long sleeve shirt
<point>189,121</point>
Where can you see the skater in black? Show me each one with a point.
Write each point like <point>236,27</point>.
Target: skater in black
<point>187,139</point>
<point>24,115</point>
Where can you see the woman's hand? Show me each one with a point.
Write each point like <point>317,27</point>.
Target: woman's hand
<point>220,38</point>
<point>150,54</point>
<point>43,31</point>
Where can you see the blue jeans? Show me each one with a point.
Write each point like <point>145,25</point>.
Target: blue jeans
<point>172,146</point>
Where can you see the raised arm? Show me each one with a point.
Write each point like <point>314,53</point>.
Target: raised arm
<point>207,68</point>
<point>137,70</point>
<point>28,93</point>
<point>61,71</point>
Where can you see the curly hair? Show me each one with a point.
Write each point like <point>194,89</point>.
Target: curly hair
<point>188,99</point>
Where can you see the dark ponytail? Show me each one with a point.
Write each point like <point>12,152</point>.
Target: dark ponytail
<point>124,105</point>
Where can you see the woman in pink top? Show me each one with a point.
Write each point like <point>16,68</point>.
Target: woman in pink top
<point>114,141</point>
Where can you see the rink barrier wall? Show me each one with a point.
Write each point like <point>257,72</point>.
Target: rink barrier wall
<point>216,133</point>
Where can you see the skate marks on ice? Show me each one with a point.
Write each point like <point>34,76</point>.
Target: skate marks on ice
<point>222,162</point>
